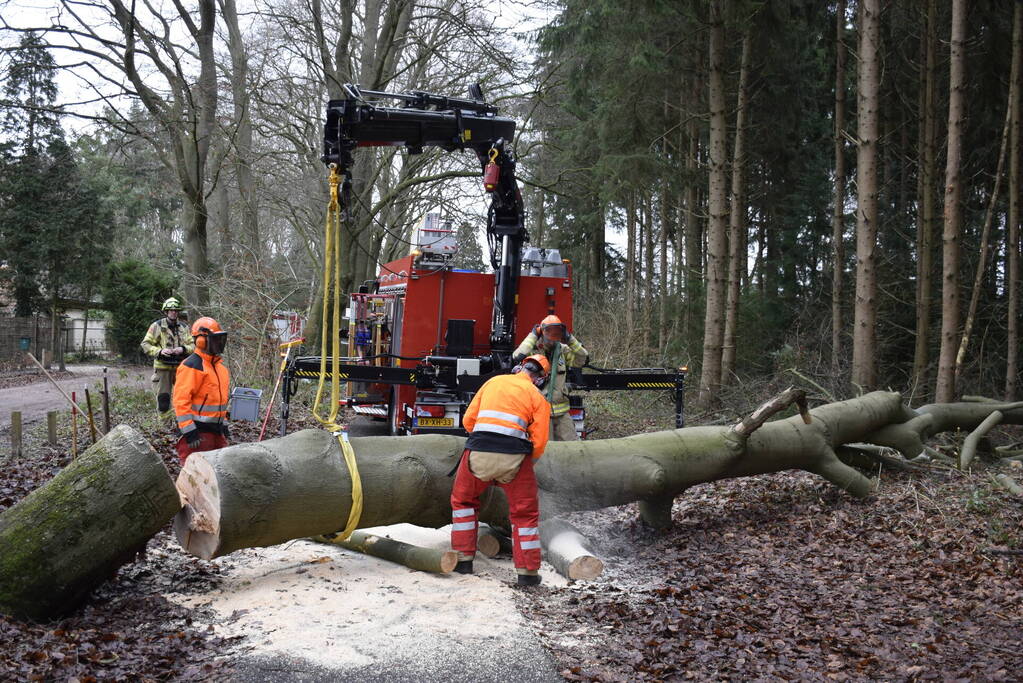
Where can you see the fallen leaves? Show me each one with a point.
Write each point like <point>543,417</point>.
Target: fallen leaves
<point>780,577</point>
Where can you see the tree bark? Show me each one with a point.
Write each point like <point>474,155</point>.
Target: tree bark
<point>630,262</point>
<point>925,200</point>
<point>1012,247</point>
<point>71,534</point>
<point>945,388</point>
<point>737,221</point>
<point>838,215</point>
<point>242,115</point>
<point>864,364</point>
<point>717,225</point>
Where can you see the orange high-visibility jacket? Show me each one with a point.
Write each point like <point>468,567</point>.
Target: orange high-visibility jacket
<point>510,405</point>
<point>201,392</point>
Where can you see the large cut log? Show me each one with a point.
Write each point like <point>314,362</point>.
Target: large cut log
<point>266,493</point>
<point>72,533</point>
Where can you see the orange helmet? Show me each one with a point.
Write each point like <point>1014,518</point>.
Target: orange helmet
<point>209,336</point>
<point>540,360</point>
<point>552,328</point>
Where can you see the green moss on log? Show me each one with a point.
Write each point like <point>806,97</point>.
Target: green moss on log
<point>70,534</point>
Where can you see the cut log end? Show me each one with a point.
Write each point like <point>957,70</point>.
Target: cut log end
<point>197,525</point>
<point>585,567</point>
<point>488,545</point>
<point>448,561</point>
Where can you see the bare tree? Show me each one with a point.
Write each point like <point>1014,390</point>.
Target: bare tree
<point>717,225</point>
<point>864,368</point>
<point>925,200</point>
<point>945,388</point>
<point>1012,247</point>
<point>737,222</point>
<point>838,217</point>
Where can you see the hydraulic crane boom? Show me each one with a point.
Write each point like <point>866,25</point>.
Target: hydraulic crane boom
<point>450,123</point>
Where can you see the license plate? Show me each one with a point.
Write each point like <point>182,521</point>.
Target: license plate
<point>435,422</point>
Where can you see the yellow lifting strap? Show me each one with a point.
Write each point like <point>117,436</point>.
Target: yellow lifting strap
<point>331,330</point>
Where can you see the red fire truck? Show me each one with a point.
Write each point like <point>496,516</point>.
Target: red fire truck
<point>424,336</point>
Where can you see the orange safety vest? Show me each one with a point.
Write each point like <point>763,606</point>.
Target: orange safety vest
<point>513,406</point>
<point>201,392</point>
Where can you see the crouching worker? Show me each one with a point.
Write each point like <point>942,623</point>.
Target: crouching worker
<point>508,422</point>
<point>201,392</point>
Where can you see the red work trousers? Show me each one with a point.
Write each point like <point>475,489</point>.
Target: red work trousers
<point>523,509</point>
<point>208,441</point>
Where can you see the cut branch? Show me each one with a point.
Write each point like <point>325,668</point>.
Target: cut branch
<point>411,556</point>
<point>970,442</point>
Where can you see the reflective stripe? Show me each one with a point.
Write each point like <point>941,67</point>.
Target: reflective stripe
<point>464,512</point>
<point>530,545</point>
<point>200,418</point>
<point>208,406</point>
<point>498,429</point>
<point>463,526</point>
<point>189,428</point>
<point>507,417</point>
<point>527,531</point>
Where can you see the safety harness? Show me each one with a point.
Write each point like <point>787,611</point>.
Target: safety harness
<point>331,330</point>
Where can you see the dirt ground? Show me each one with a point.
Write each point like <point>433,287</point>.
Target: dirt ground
<point>32,394</point>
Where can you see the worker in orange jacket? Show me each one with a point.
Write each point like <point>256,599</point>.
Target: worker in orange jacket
<point>201,392</point>
<point>508,420</point>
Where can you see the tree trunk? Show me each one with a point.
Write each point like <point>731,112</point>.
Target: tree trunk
<point>864,367</point>
<point>838,216</point>
<point>925,200</point>
<point>265,493</point>
<point>1012,247</point>
<point>648,276</point>
<point>662,314</point>
<point>71,534</point>
<point>243,134</point>
<point>737,222</point>
<point>717,225</point>
<point>693,233</point>
<point>945,388</point>
<point>985,247</point>
<point>630,262</point>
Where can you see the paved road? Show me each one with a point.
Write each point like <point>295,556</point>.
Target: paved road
<point>36,399</point>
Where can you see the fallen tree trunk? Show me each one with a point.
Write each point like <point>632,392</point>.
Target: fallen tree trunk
<point>269,492</point>
<point>411,556</point>
<point>266,493</point>
<point>71,534</point>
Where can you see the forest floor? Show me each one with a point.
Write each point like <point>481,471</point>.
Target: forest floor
<point>777,577</point>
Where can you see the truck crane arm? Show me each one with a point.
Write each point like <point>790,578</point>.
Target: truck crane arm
<point>450,123</point>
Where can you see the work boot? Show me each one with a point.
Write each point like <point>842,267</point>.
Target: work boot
<point>464,567</point>
<point>529,579</point>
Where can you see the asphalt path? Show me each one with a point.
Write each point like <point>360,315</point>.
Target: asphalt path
<point>36,399</point>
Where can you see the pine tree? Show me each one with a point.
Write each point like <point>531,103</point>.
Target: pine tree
<point>51,219</point>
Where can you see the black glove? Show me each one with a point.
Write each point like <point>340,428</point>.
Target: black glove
<point>226,432</point>
<point>517,358</point>
<point>193,439</point>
